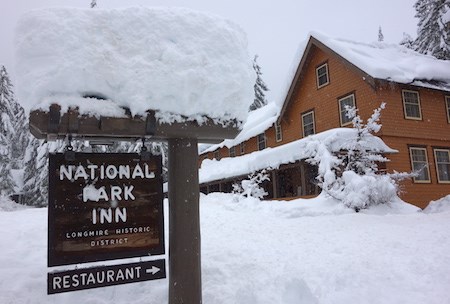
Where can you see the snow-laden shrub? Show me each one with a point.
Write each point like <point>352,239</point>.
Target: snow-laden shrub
<point>251,187</point>
<point>362,191</point>
<point>352,176</point>
<point>6,204</point>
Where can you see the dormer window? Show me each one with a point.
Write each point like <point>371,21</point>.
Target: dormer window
<point>322,75</point>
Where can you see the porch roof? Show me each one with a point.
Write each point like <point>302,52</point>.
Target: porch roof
<point>333,140</point>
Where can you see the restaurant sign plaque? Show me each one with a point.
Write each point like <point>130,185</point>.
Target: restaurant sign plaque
<point>104,206</point>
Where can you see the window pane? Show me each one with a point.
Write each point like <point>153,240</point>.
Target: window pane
<point>232,151</point>
<point>347,101</point>
<point>308,124</point>
<point>278,133</point>
<point>411,97</point>
<point>443,165</point>
<point>420,164</point>
<point>261,141</point>
<point>412,105</point>
<point>412,110</point>
<point>444,172</point>
<point>442,156</point>
<point>322,75</point>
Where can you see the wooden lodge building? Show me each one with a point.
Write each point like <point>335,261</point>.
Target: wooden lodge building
<point>331,73</point>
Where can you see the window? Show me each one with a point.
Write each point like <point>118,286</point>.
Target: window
<point>419,163</point>
<point>442,158</point>
<point>308,123</point>
<point>261,141</point>
<point>278,133</point>
<point>447,104</point>
<point>411,105</point>
<point>232,151</point>
<point>343,102</point>
<point>217,155</point>
<point>322,75</point>
<point>242,147</point>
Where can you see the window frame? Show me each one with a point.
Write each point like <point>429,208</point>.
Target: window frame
<point>341,110</point>
<point>437,164</point>
<point>278,132</point>
<point>232,151</point>
<point>216,155</point>
<point>327,73</point>
<point>242,148</point>
<point>424,181</point>
<point>447,107</point>
<point>418,104</point>
<point>263,141</point>
<point>310,112</point>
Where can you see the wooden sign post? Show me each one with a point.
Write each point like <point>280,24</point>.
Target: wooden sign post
<point>184,222</point>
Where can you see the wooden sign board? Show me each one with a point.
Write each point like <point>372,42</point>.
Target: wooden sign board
<point>104,207</point>
<point>103,276</point>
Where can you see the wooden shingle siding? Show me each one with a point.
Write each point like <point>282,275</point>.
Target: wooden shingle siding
<point>431,131</point>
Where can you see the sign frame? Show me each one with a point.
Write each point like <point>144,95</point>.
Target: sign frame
<point>56,257</point>
<point>151,270</point>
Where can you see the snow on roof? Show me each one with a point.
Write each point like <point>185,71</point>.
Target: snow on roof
<point>169,59</point>
<point>381,60</point>
<point>392,62</point>
<point>334,140</point>
<point>257,122</point>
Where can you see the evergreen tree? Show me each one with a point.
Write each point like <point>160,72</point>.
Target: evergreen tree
<point>380,35</point>
<point>259,87</point>
<point>34,179</point>
<point>20,138</point>
<point>352,176</point>
<point>9,112</point>
<point>407,41</point>
<point>433,36</point>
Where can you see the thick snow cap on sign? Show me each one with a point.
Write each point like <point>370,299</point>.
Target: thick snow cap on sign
<point>175,61</point>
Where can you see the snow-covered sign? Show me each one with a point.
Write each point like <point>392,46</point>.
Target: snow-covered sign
<point>103,207</point>
<point>183,64</point>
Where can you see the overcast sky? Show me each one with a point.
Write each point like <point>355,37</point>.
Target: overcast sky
<point>274,28</point>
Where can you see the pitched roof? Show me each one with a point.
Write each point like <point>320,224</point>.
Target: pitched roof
<point>376,60</point>
<point>257,122</point>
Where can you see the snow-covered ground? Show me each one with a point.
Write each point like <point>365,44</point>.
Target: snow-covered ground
<point>303,251</point>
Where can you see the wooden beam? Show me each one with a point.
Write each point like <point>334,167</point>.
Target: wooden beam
<point>53,125</point>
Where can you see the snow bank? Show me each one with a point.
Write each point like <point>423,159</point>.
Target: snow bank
<point>172,60</point>
<point>440,205</point>
<point>303,251</point>
<point>333,140</point>
<point>6,204</point>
